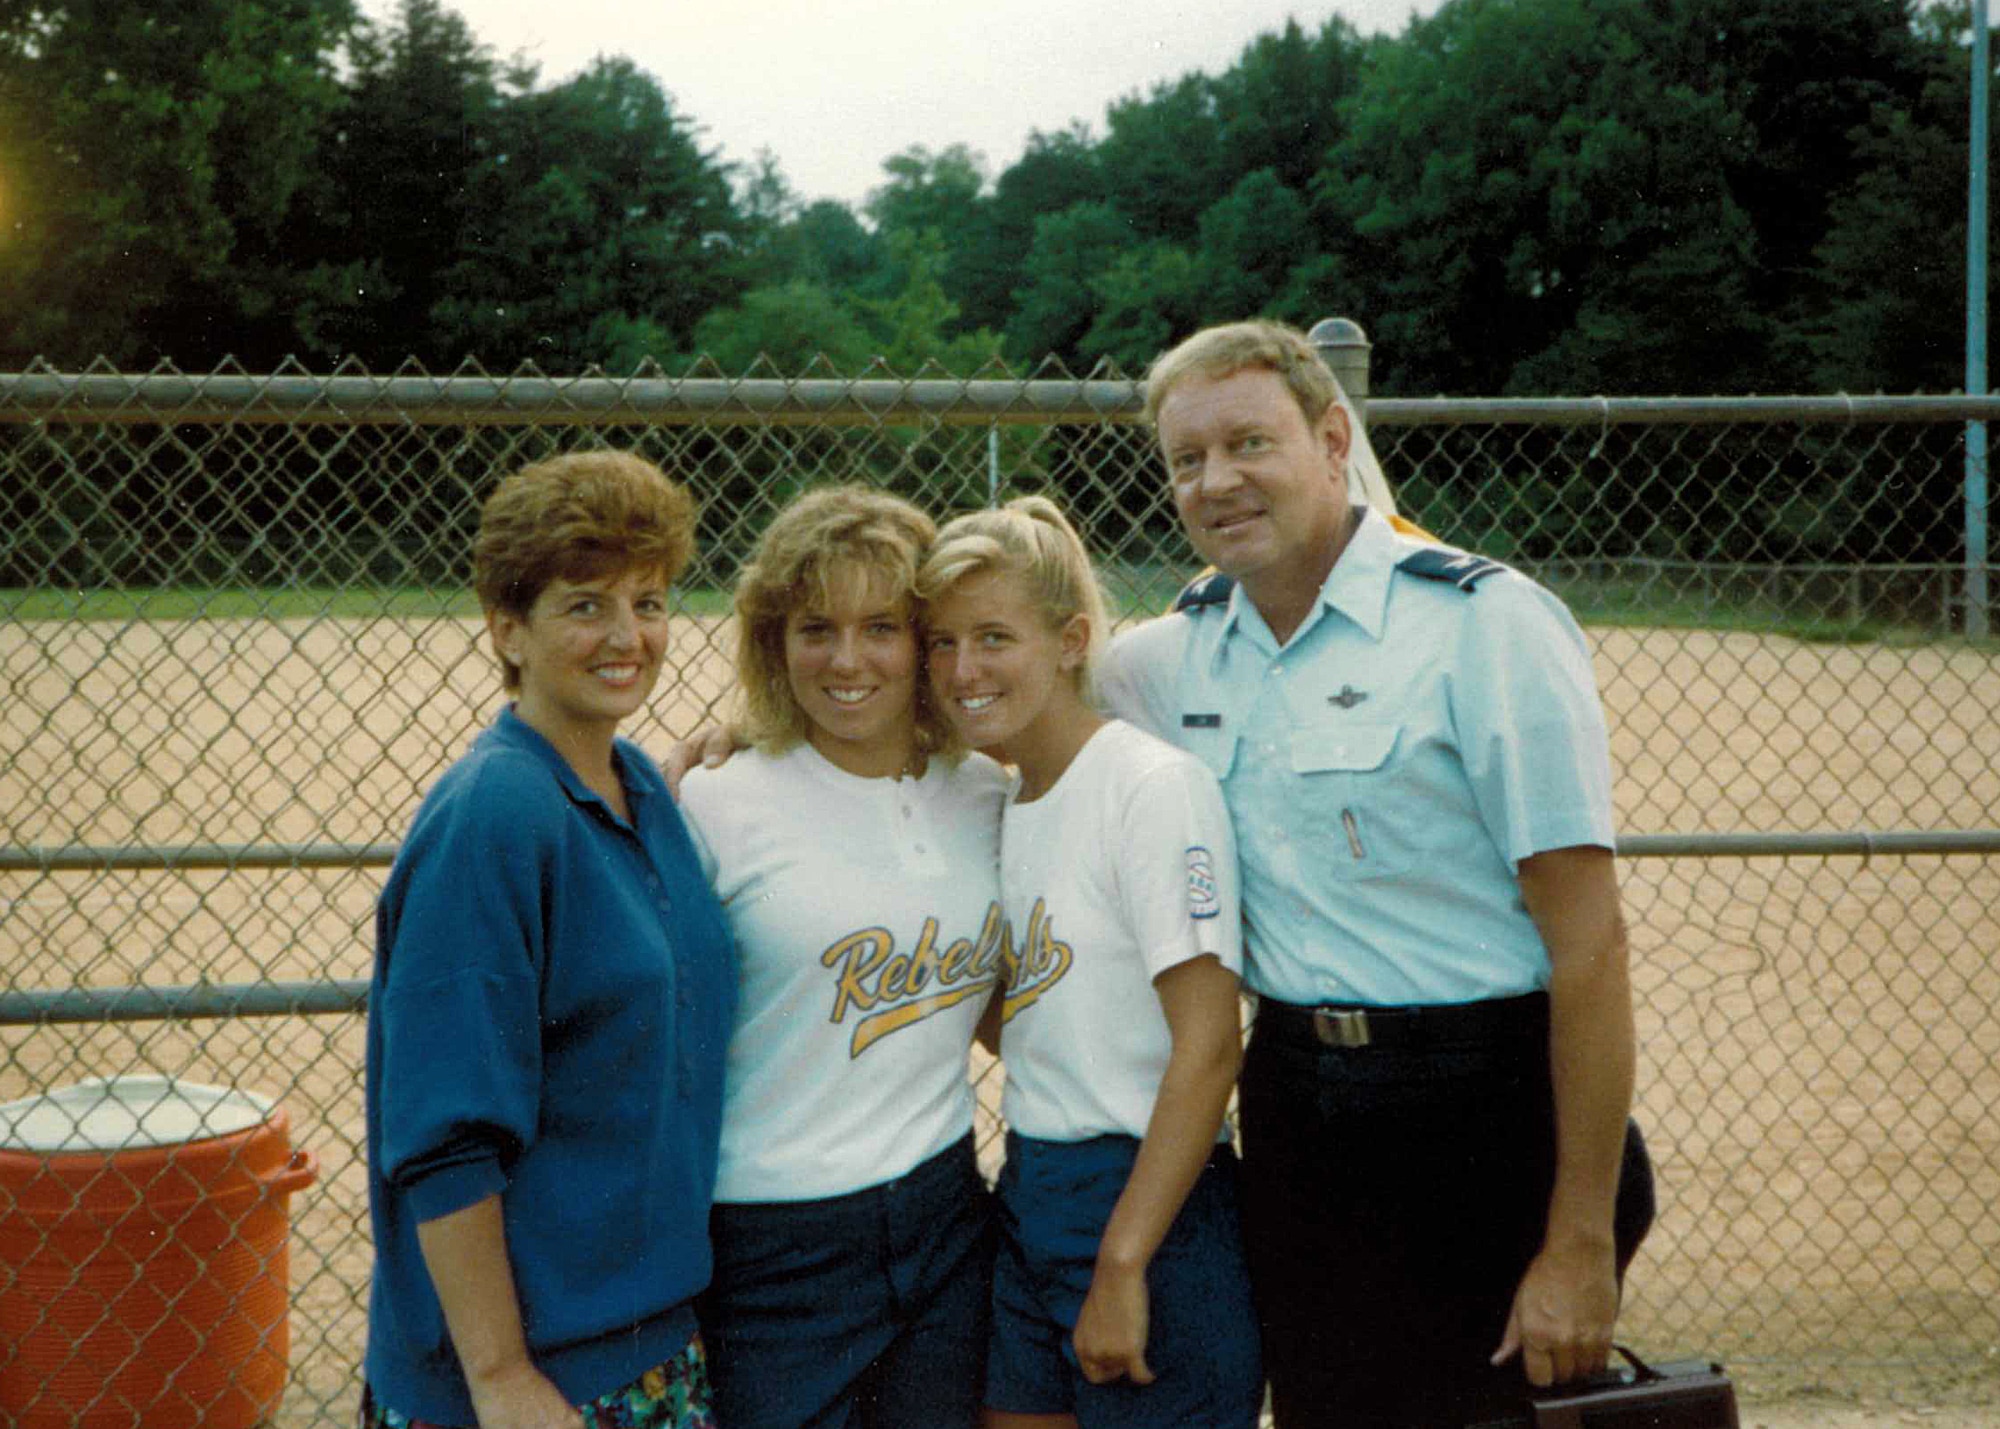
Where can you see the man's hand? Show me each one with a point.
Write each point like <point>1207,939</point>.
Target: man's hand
<point>1563,1314</point>
<point>710,746</point>
<point>519,1396</point>
<point>1111,1328</point>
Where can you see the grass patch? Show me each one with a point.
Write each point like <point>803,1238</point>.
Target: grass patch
<point>142,603</point>
<point>1135,592</point>
<point>1659,607</point>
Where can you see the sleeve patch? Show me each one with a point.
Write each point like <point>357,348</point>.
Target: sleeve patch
<point>1203,900</point>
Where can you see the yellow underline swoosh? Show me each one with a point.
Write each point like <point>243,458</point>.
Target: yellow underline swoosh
<point>1014,1002</point>
<point>872,1029</point>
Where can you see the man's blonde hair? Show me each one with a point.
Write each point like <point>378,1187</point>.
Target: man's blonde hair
<point>1219,352</point>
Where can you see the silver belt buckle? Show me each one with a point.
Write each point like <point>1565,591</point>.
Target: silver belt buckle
<point>1341,1026</point>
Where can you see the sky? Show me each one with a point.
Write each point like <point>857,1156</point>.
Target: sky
<point>834,87</point>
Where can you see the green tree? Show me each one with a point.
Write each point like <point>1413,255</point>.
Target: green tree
<point>789,325</point>
<point>1148,296</point>
<point>1162,157</point>
<point>1279,106</point>
<point>785,330</point>
<point>1885,307</point>
<point>1055,171</point>
<point>150,158</point>
<point>918,325</point>
<point>1250,240</point>
<point>1059,296</point>
<point>833,247</point>
<point>768,207</point>
<point>597,231</point>
<point>1801,76</point>
<point>1541,204</point>
<point>423,113</point>
<point>928,192</point>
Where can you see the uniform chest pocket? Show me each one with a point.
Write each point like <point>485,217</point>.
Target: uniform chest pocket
<point>1347,802</point>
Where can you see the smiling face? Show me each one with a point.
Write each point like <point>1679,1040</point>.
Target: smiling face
<point>1261,491</point>
<point>588,652</point>
<point>851,661</point>
<point>1000,673</point>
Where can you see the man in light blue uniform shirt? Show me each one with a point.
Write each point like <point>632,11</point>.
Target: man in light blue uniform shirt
<point>1434,1105</point>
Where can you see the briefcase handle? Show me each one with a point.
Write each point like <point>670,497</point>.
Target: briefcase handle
<point>1642,1371</point>
<point>1717,1407</point>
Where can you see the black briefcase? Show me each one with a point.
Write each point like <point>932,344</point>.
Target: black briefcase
<point>1673,1394</point>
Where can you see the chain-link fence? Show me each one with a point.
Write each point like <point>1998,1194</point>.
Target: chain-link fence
<point>237,647</point>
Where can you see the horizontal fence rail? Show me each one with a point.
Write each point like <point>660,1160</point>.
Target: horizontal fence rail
<point>1888,842</point>
<point>236,647</point>
<point>588,401</point>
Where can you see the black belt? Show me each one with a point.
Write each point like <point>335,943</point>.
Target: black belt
<point>1351,1025</point>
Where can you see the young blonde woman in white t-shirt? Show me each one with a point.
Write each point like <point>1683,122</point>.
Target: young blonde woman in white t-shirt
<point>1120,1293</point>
<point>854,846</point>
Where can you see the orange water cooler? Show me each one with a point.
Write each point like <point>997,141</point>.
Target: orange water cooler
<point>143,1256</point>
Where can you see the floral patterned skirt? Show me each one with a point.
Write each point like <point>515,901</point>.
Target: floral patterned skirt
<point>673,1395</point>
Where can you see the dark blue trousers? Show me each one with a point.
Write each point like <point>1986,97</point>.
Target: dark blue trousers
<point>1393,1197</point>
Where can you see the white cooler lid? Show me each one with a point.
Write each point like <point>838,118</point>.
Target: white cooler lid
<point>127,1113</point>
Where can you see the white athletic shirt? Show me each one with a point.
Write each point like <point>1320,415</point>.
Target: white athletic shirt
<point>1127,867</point>
<point>868,939</point>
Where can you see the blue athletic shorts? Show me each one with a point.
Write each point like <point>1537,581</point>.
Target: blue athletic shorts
<point>867,1309</point>
<point>1054,1201</point>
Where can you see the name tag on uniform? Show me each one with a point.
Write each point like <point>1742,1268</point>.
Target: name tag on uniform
<point>1201,721</point>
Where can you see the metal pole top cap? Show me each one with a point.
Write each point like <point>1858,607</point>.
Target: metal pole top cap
<point>1337,332</point>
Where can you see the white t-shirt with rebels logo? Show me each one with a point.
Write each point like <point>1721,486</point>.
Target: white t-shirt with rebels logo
<point>869,938</point>
<point>1127,867</point>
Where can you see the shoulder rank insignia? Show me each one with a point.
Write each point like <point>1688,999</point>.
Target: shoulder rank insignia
<point>1208,588</point>
<point>1442,563</point>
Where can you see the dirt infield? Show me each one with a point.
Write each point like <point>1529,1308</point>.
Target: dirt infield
<point>1821,1066</point>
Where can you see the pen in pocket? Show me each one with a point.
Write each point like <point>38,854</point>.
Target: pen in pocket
<point>1353,827</point>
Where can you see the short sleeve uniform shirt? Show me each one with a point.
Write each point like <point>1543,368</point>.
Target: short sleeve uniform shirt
<point>1387,769</point>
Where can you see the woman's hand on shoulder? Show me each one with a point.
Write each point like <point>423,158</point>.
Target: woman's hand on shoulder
<point>710,747</point>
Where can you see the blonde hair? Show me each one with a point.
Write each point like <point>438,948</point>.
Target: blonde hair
<point>825,545</point>
<point>1224,351</point>
<point>1029,537</point>
<point>578,517</point>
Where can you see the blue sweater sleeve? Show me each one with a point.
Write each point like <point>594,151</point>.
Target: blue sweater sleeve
<point>462,943</point>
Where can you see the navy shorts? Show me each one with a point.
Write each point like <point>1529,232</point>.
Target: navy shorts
<point>868,1309</point>
<point>1055,1199</point>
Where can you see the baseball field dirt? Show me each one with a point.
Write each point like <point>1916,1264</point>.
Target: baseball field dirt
<point>1820,1075</point>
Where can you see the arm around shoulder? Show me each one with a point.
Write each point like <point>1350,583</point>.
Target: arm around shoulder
<point>1137,677</point>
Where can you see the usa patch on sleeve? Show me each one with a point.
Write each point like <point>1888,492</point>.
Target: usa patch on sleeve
<point>1203,901</point>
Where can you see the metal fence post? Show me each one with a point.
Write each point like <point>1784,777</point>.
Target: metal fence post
<point>1976,554</point>
<point>1346,349</point>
